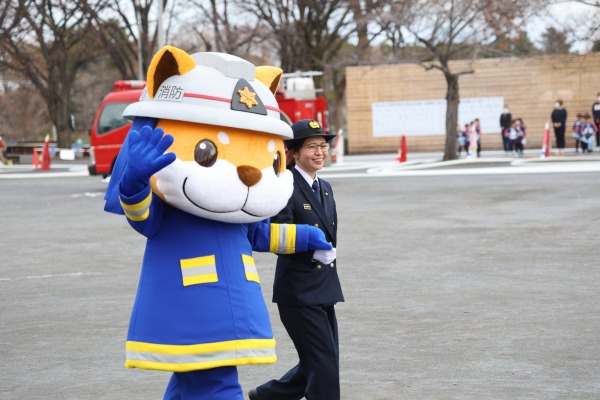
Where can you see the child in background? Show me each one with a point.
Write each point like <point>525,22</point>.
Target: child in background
<point>588,133</point>
<point>521,134</point>
<point>577,132</point>
<point>467,132</point>
<point>511,134</point>
<point>461,138</point>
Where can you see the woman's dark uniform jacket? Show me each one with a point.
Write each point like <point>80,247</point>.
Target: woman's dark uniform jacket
<point>300,280</point>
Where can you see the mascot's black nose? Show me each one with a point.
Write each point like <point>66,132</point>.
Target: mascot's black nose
<point>249,175</point>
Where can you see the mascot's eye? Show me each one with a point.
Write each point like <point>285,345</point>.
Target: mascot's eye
<point>277,163</point>
<point>205,153</point>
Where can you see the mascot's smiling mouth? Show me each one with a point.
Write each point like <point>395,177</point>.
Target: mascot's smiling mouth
<point>220,212</point>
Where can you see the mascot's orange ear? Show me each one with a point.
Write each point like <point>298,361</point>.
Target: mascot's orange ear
<point>270,76</point>
<point>167,62</point>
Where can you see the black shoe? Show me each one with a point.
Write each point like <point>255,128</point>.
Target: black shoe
<point>253,395</point>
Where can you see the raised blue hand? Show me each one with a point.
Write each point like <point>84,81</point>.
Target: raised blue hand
<point>316,239</point>
<point>146,156</point>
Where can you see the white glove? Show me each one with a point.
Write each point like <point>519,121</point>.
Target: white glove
<point>324,256</point>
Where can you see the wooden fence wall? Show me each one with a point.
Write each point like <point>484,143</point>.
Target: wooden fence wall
<point>529,87</point>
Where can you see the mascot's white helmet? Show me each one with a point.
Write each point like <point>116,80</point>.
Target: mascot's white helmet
<point>221,90</point>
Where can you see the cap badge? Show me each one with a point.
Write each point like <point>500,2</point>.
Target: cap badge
<point>314,124</point>
<point>247,97</point>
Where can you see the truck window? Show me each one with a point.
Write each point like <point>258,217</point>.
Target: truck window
<point>111,117</point>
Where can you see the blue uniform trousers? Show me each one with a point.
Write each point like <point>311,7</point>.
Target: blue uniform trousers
<point>313,329</point>
<point>210,384</point>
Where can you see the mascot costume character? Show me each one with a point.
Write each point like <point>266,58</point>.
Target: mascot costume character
<point>200,173</point>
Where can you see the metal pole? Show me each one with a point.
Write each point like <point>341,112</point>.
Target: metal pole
<point>139,41</point>
<point>161,36</point>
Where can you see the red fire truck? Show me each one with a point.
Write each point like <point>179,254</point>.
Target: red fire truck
<point>110,128</point>
<point>297,98</point>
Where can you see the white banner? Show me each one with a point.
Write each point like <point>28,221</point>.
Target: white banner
<point>428,117</point>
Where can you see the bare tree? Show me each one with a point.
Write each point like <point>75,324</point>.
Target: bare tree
<point>221,26</point>
<point>23,114</point>
<point>128,31</point>
<point>589,3</point>
<point>314,35</point>
<point>448,30</point>
<point>574,31</point>
<point>307,33</point>
<point>47,42</point>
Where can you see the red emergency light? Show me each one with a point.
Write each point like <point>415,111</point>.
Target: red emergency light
<point>129,84</point>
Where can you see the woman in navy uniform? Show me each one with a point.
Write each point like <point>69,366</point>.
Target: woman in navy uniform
<point>306,286</point>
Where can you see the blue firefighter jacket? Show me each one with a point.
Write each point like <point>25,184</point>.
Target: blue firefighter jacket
<point>199,303</point>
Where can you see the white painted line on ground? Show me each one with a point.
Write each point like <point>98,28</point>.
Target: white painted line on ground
<point>554,168</point>
<point>37,175</point>
<point>75,274</point>
<point>88,194</point>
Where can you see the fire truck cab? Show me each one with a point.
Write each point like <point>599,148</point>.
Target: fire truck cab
<point>299,99</point>
<point>109,129</point>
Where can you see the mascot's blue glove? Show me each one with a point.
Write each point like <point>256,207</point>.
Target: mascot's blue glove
<point>146,156</point>
<point>316,239</point>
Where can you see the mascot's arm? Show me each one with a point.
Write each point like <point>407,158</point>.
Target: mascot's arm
<point>286,238</point>
<point>146,156</point>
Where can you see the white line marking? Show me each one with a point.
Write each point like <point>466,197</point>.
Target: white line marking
<point>88,194</point>
<point>18,278</point>
<point>380,171</point>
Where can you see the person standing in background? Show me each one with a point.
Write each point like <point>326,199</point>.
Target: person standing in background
<point>559,122</point>
<point>596,117</point>
<point>476,127</point>
<point>505,122</point>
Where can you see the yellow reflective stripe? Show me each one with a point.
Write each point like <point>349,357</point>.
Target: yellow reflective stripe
<point>283,238</point>
<point>195,280</point>
<point>214,347</point>
<point>160,366</point>
<point>181,358</point>
<point>248,260</point>
<point>274,238</point>
<point>139,206</point>
<point>291,237</point>
<point>137,212</point>
<point>250,268</point>
<point>198,262</point>
<point>199,270</point>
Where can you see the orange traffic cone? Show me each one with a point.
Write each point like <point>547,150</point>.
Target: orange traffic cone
<point>36,158</point>
<point>546,142</point>
<point>46,154</point>
<point>402,151</point>
<point>337,154</point>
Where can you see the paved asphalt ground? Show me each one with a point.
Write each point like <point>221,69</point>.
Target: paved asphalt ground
<point>457,287</point>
